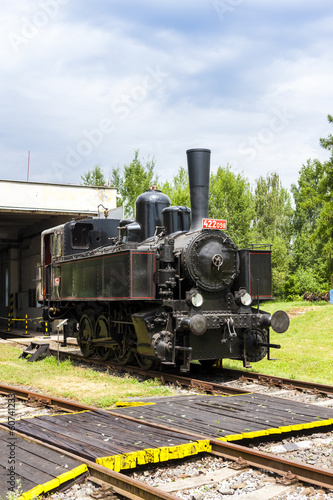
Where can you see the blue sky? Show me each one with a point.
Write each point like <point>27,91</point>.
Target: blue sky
<point>88,82</point>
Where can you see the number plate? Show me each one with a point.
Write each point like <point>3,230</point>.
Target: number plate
<point>214,224</point>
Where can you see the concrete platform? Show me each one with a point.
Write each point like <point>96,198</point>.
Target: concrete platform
<point>19,335</point>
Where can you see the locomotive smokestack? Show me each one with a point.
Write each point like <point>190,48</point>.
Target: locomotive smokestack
<point>198,164</point>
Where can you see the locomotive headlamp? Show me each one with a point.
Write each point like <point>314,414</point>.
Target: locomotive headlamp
<point>197,299</point>
<point>246,299</point>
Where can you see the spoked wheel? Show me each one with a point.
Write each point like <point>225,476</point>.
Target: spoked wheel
<point>102,331</point>
<point>122,357</point>
<point>86,330</point>
<point>145,363</point>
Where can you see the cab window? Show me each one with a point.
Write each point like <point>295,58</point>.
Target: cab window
<point>59,245</point>
<point>80,235</point>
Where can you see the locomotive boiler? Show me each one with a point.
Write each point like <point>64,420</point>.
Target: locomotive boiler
<point>164,288</point>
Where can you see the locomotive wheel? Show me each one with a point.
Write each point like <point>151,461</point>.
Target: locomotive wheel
<point>86,331</point>
<point>145,363</point>
<point>102,331</point>
<point>122,357</point>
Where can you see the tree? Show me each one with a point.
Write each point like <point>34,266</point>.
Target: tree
<point>273,209</point>
<point>328,142</point>
<point>313,221</point>
<point>273,224</point>
<point>231,198</point>
<point>134,180</point>
<point>324,228</point>
<point>308,205</point>
<point>178,189</point>
<point>94,177</point>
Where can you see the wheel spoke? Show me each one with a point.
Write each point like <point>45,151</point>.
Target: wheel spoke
<point>123,357</point>
<point>86,335</point>
<point>102,331</point>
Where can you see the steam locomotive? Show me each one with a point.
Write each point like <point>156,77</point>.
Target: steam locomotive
<point>164,288</point>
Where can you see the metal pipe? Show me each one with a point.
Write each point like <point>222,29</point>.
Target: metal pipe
<point>198,163</point>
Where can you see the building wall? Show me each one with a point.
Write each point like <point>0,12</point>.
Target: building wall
<point>34,207</point>
<point>18,277</point>
<point>57,198</point>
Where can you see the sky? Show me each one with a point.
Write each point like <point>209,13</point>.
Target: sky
<point>87,82</point>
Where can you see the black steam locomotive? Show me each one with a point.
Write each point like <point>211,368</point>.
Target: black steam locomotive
<point>166,288</point>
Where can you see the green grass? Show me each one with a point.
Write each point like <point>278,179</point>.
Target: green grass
<point>306,347</point>
<point>67,380</point>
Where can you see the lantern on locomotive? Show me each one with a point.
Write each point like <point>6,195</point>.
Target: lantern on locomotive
<point>168,287</point>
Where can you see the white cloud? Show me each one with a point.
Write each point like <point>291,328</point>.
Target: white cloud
<point>162,88</point>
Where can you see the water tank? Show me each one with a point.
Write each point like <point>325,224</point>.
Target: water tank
<point>176,219</point>
<point>148,211</point>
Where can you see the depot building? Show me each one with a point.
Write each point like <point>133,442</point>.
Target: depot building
<point>27,209</point>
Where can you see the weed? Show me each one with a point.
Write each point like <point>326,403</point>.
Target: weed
<point>16,492</point>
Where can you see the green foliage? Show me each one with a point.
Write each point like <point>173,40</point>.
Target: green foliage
<point>231,199</point>
<point>328,142</point>
<point>178,189</point>
<point>273,208</point>
<point>134,180</point>
<point>290,288</point>
<point>273,224</point>
<point>281,258</point>
<point>324,227</point>
<point>308,204</point>
<point>16,493</point>
<point>307,281</point>
<point>313,219</point>
<point>94,177</point>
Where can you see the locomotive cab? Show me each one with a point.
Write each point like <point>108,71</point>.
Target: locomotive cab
<point>65,241</point>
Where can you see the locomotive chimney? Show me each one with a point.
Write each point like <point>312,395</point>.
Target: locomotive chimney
<point>198,163</point>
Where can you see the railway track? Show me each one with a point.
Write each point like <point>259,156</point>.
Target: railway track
<point>242,455</point>
<point>205,383</point>
<point>277,381</point>
<point>202,382</point>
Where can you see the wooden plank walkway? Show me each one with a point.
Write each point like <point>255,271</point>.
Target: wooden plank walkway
<point>230,418</point>
<point>33,467</point>
<point>114,442</point>
<point>119,443</point>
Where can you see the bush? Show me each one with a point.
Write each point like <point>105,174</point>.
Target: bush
<point>307,281</point>
<point>290,288</point>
